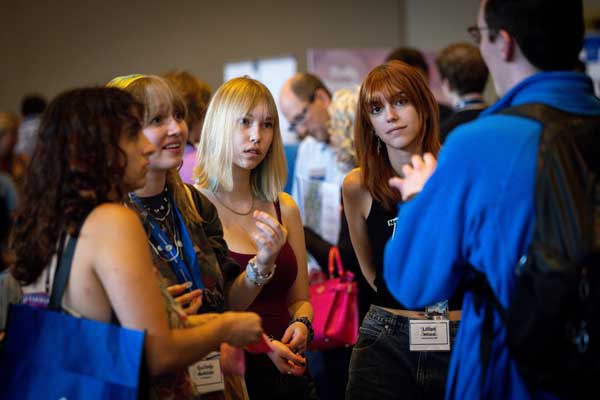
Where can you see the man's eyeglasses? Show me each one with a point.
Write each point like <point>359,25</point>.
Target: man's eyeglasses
<point>301,116</point>
<point>475,32</point>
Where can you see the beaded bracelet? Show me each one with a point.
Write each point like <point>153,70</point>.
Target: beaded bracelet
<point>254,274</point>
<point>311,332</point>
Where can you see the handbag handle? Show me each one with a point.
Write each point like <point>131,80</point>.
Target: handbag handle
<point>61,276</point>
<point>335,258</point>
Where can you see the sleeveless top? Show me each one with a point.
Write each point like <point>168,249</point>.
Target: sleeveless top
<point>381,225</point>
<point>168,386</point>
<point>270,303</point>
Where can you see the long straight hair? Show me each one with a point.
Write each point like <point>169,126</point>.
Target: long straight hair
<point>388,80</point>
<point>214,167</point>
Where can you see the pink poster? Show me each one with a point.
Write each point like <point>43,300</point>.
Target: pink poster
<point>343,68</point>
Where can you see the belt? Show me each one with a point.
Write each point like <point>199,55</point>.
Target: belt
<point>453,315</point>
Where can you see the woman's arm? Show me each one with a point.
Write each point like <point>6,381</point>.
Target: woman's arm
<point>357,204</point>
<point>121,260</point>
<point>298,300</point>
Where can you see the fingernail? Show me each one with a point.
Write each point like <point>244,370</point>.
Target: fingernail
<point>187,284</point>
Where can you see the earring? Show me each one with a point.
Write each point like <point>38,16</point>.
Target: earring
<point>378,145</point>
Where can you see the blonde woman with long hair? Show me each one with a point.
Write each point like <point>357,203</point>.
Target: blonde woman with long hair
<point>242,166</point>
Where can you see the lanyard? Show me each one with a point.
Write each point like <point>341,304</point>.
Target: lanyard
<point>471,103</point>
<point>170,252</point>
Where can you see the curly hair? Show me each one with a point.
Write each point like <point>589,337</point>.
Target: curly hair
<point>389,79</point>
<point>77,165</point>
<point>342,110</point>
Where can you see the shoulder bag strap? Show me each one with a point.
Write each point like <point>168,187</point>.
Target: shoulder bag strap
<point>61,276</point>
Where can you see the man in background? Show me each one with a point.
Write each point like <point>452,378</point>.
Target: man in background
<point>464,75</point>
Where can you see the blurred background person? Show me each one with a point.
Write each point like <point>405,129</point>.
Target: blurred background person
<point>32,108</point>
<point>464,75</point>
<point>196,95</point>
<point>10,163</point>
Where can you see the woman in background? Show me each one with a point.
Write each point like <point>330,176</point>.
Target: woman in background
<point>196,95</point>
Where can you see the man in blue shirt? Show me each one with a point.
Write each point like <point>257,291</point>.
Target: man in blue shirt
<point>477,207</point>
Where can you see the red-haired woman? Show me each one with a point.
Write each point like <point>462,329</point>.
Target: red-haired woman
<point>397,117</point>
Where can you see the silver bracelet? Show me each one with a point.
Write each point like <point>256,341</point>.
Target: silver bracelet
<point>254,274</point>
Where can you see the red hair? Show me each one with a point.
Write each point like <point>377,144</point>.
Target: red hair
<point>388,80</point>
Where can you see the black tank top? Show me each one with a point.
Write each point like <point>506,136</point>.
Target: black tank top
<point>380,227</point>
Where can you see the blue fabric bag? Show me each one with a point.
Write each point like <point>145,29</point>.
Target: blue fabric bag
<point>52,355</point>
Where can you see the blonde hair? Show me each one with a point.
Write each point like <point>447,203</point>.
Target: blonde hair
<point>153,92</point>
<point>342,110</point>
<point>233,100</point>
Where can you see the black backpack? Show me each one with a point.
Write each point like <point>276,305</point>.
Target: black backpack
<point>553,320</point>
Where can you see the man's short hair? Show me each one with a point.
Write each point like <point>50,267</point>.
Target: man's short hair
<point>304,85</point>
<point>410,56</point>
<point>462,65</point>
<point>32,104</point>
<point>549,33</point>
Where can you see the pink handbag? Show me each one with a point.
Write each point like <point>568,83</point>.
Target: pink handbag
<point>335,305</point>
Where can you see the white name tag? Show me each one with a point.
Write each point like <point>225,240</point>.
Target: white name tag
<point>206,374</point>
<point>429,335</point>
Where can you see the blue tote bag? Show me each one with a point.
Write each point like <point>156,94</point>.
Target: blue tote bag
<point>48,354</point>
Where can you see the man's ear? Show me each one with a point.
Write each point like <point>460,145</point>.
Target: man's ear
<point>323,96</point>
<point>507,45</point>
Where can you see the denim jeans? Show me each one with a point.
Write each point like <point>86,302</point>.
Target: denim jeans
<point>382,367</point>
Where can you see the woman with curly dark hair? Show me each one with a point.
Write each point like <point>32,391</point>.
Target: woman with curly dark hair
<point>90,154</point>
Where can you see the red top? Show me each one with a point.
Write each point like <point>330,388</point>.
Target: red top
<point>271,302</point>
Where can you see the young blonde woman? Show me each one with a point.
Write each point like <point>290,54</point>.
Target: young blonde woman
<point>91,141</point>
<point>183,227</point>
<point>397,117</point>
<point>242,164</point>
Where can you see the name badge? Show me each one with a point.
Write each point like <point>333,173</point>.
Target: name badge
<point>429,335</point>
<point>206,374</point>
